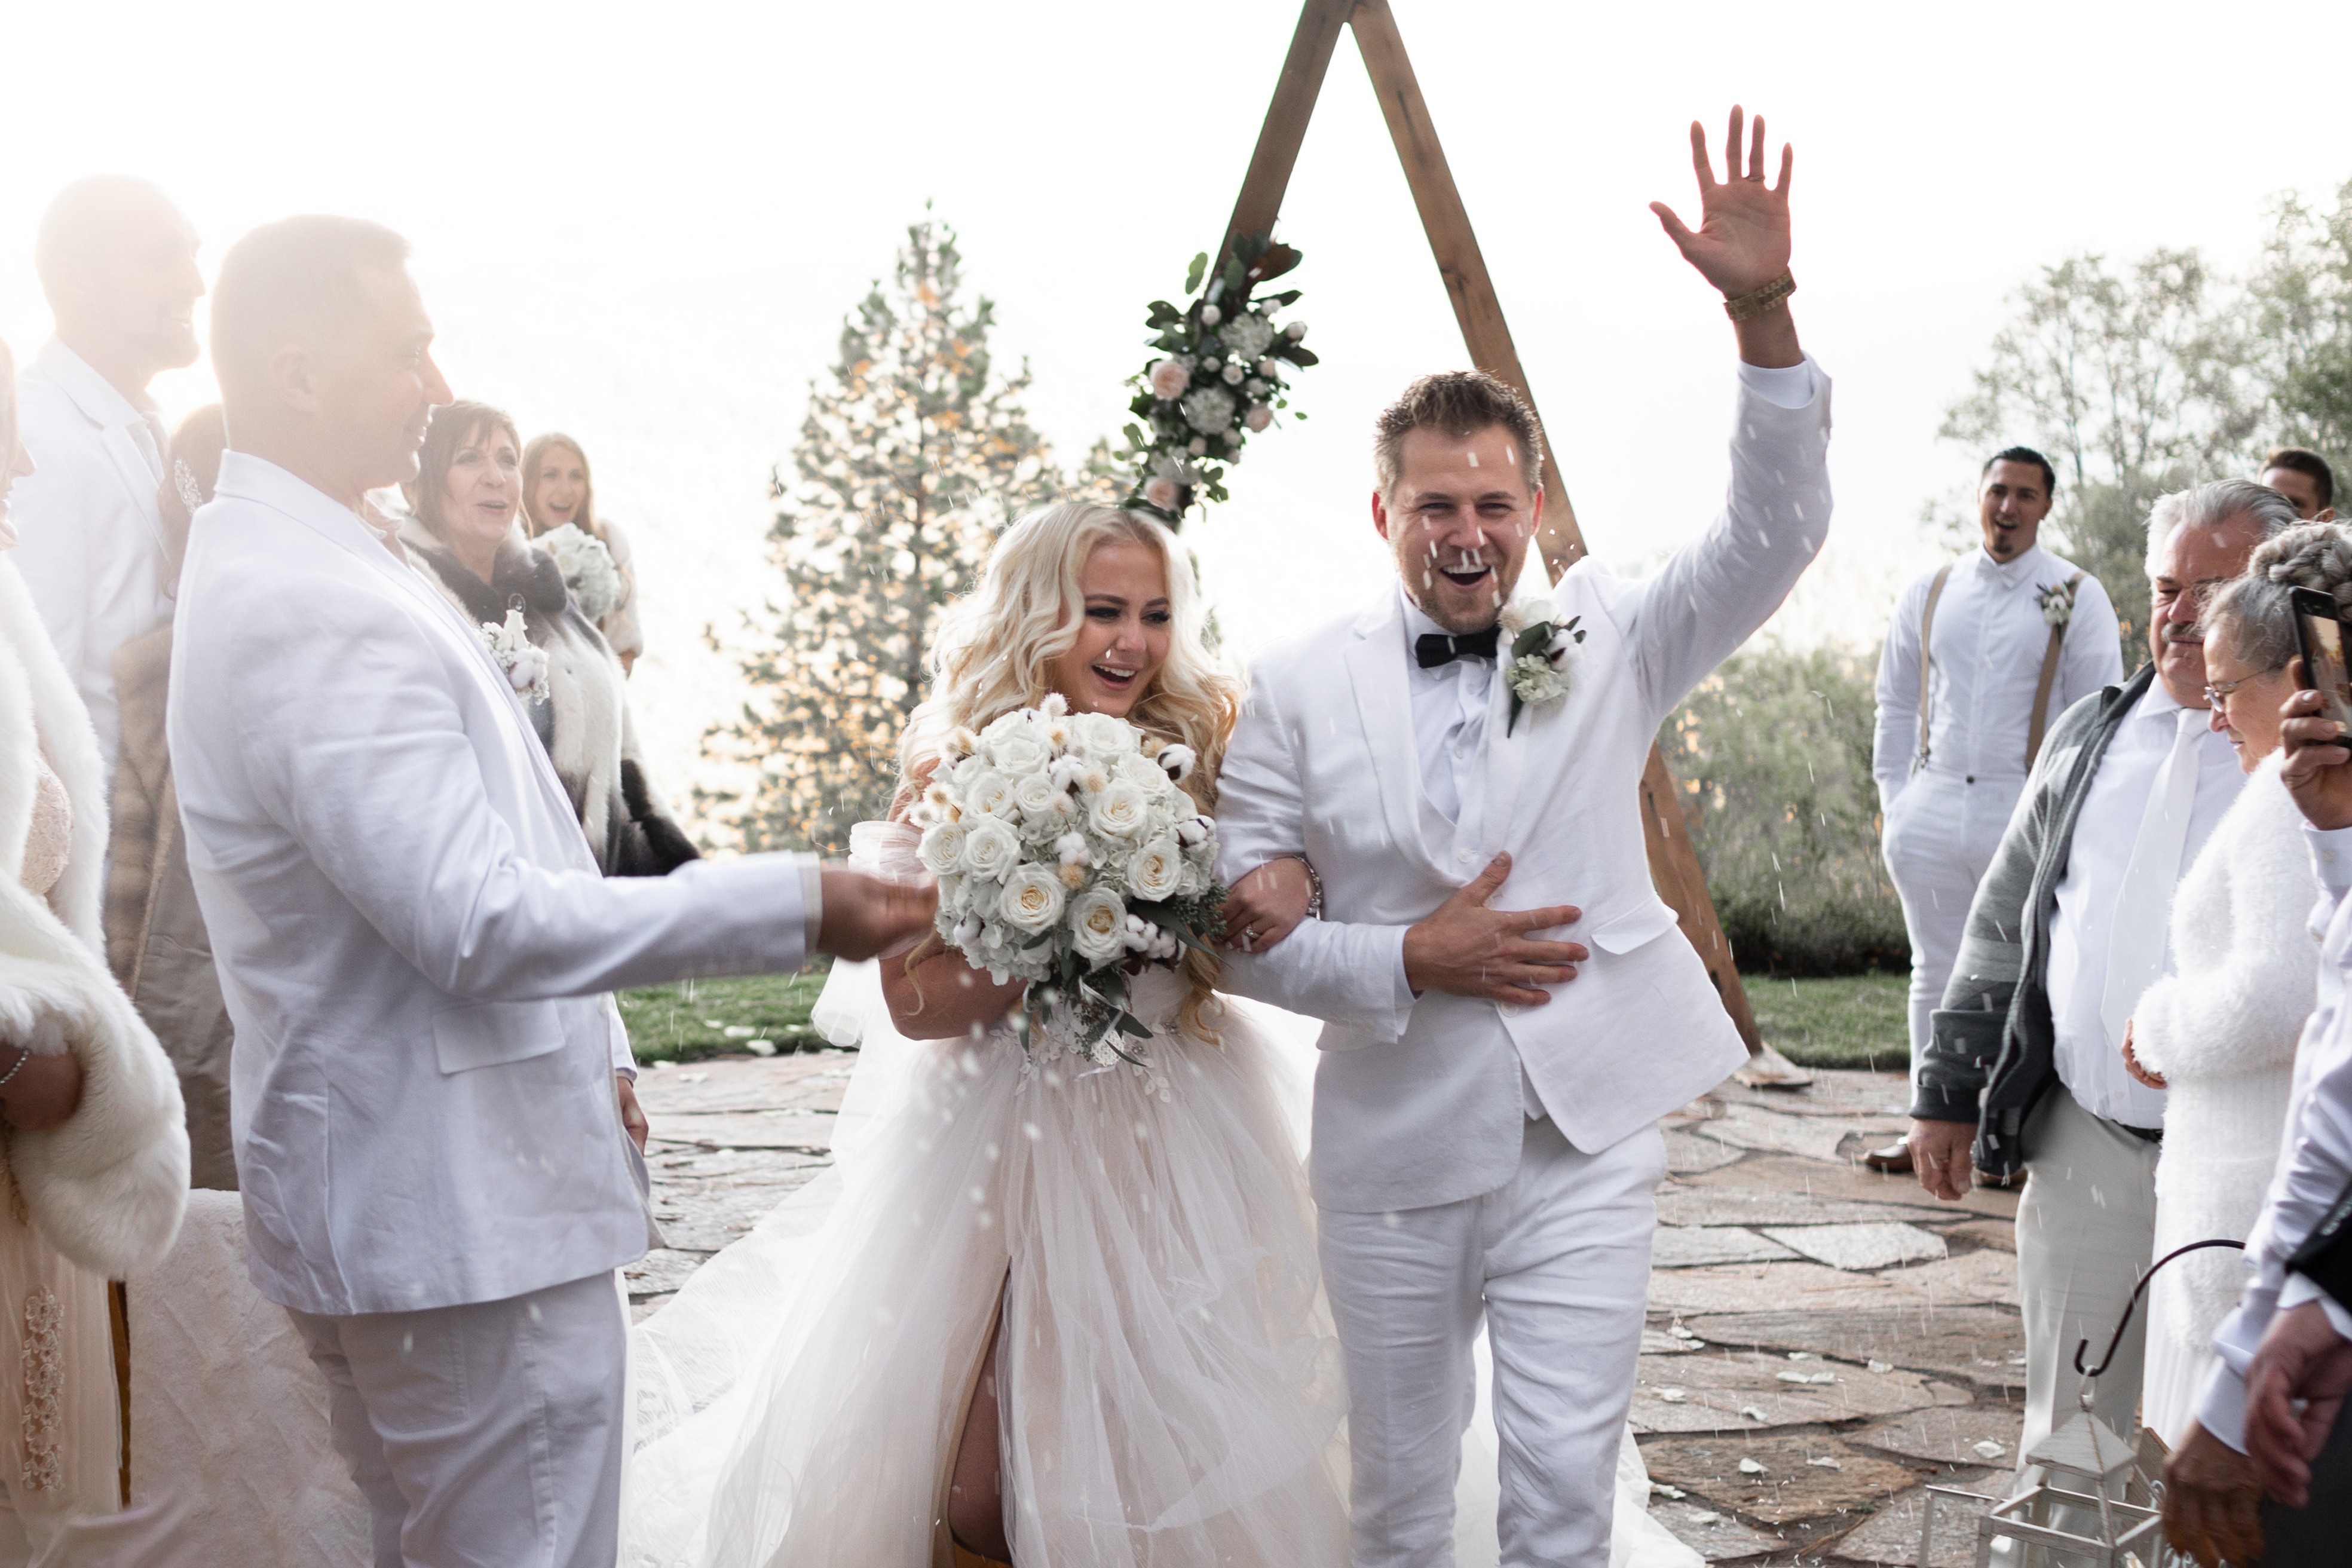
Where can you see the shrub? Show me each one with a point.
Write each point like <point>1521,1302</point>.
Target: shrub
<point>1773,755</point>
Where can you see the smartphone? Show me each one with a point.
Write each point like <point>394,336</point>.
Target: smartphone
<point>2319,634</point>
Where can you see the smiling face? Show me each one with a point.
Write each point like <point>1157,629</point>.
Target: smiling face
<point>558,488</point>
<point>1459,520</point>
<point>135,305</point>
<point>369,391</point>
<point>2010,505</point>
<point>2193,563</point>
<point>2250,698</point>
<point>1123,630</point>
<point>483,487</point>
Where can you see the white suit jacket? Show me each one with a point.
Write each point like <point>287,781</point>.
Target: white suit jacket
<point>412,939</point>
<point>1419,1102</point>
<point>91,522</point>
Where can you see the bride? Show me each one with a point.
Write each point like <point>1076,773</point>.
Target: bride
<point>1058,1313</point>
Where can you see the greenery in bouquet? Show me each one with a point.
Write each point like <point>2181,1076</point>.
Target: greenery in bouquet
<point>1067,853</point>
<point>1217,378</point>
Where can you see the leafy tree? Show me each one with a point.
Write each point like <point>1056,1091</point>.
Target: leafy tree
<point>913,458</point>
<point>2134,383</point>
<point>2302,293</point>
<point>1773,754</point>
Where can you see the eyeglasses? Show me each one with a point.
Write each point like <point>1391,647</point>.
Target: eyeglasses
<point>2217,695</point>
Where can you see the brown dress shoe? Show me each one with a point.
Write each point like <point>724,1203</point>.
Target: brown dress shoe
<point>1894,1159</point>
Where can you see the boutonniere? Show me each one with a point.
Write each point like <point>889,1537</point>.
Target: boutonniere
<point>523,662</point>
<point>2057,601</point>
<point>1542,656</point>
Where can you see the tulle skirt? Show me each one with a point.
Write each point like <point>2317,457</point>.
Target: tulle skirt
<point>1169,1378</point>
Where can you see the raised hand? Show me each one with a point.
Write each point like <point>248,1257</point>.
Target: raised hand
<point>1468,950</point>
<point>1742,239</point>
<point>2314,772</point>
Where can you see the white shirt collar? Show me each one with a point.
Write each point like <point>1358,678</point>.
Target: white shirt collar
<point>2011,573</point>
<point>99,399</point>
<point>2157,702</point>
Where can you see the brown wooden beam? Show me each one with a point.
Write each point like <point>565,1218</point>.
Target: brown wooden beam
<point>1285,129</point>
<point>1673,861</point>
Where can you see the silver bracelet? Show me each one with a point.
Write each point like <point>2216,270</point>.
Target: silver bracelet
<point>24,1055</point>
<point>1314,903</point>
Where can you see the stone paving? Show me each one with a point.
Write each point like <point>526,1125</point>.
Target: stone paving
<point>1824,1343</point>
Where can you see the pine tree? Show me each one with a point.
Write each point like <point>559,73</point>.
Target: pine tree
<point>911,463</point>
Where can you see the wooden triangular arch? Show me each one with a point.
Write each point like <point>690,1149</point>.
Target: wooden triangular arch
<point>1673,863</point>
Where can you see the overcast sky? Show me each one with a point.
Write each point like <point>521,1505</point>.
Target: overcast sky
<point>644,225</point>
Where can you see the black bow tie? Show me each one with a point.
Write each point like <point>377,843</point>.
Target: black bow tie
<point>1435,648</point>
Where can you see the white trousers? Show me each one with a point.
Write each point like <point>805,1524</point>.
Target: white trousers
<point>1558,1261</point>
<point>485,1435</point>
<point>2085,1233</point>
<point>1939,841</point>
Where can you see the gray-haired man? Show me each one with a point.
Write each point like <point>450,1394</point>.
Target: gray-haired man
<point>2068,927</point>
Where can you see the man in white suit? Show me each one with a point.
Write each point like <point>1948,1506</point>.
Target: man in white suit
<point>1484,1136</point>
<point>415,946</point>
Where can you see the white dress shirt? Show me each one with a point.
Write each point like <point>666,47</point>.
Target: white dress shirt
<point>91,524</point>
<point>2315,1163</point>
<point>1990,640</point>
<point>2090,1061</point>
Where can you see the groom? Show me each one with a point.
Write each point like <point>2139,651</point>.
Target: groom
<point>415,946</point>
<point>1484,1137</point>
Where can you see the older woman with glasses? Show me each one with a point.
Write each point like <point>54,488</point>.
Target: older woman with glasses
<point>2219,1032</point>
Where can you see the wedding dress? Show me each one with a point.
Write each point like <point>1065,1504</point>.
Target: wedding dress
<point>1169,1374</point>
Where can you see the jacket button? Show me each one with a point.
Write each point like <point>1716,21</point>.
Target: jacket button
<point>1467,856</point>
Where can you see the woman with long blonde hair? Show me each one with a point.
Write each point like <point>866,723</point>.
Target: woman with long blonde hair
<point>1060,1314</point>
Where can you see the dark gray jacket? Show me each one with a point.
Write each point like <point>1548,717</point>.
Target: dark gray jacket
<point>1991,1054</point>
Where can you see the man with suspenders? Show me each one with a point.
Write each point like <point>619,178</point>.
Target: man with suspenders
<point>1984,652</point>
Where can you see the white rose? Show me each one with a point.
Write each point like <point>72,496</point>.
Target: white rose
<point>1031,900</point>
<point>1258,417</point>
<point>1100,735</point>
<point>1097,925</point>
<point>1197,447</point>
<point>1255,388</point>
<point>1034,795</point>
<point>1168,378</point>
<point>1232,374</point>
<point>991,849</point>
<point>988,793</point>
<point>1248,336</point>
<point>1156,872</point>
<point>1295,332</point>
<point>1022,752</point>
<point>942,847</point>
<point>1119,812</point>
<point>1137,769</point>
<point>1210,315</point>
<point>1006,724</point>
<point>1268,369</point>
<point>1159,490</point>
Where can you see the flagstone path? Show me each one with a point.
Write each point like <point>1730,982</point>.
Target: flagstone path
<point>1824,1343</point>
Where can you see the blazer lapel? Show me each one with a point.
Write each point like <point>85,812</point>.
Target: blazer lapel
<point>1375,660</point>
<point>1502,759</point>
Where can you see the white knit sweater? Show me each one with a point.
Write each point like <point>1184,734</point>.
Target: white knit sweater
<point>2221,1029</point>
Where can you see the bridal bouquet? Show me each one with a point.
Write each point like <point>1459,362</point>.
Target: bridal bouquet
<point>1064,852</point>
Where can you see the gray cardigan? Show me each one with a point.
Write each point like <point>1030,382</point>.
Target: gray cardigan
<point>1991,1054</point>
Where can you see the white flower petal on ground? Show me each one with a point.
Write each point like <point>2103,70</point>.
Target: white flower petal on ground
<point>1098,925</point>
<point>1033,899</point>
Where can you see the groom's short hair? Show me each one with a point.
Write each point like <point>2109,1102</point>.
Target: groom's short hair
<point>293,280</point>
<point>1459,403</point>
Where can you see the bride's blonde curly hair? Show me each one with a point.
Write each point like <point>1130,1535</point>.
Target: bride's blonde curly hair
<point>990,654</point>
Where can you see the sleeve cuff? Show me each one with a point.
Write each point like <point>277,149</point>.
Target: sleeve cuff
<point>1400,996</point>
<point>2331,858</point>
<point>2300,1289</point>
<point>1783,387</point>
<point>812,901</point>
<point>2223,1410</point>
<point>625,1060</point>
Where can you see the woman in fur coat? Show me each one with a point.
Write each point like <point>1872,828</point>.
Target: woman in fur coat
<point>93,1156</point>
<point>468,500</point>
<point>2218,1034</point>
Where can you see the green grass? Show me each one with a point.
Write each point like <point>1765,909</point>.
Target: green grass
<point>691,1020</point>
<point>1851,1021</point>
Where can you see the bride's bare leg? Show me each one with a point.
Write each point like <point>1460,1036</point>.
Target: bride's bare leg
<point>976,1485</point>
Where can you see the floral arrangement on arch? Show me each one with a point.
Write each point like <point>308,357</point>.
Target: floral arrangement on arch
<point>1065,851</point>
<point>1218,378</point>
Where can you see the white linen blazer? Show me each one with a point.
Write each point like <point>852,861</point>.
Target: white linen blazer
<point>412,939</point>
<point>1420,1101</point>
